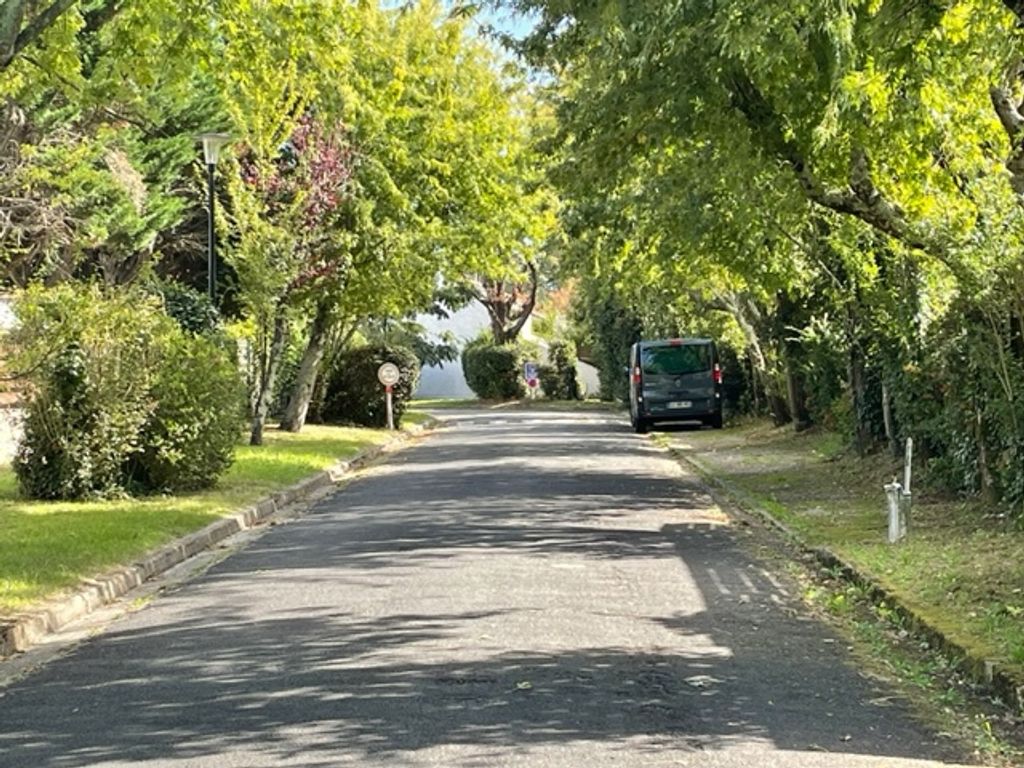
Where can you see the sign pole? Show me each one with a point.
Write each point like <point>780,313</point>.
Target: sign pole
<point>391,412</point>
<point>389,375</point>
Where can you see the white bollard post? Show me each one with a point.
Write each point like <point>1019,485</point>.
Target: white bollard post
<point>894,502</point>
<point>906,500</point>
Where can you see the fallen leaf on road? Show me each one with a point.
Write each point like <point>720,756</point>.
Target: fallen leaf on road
<point>702,681</point>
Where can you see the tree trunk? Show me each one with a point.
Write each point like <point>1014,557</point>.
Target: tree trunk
<point>268,375</point>
<point>988,485</point>
<point>302,391</point>
<point>14,38</point>
<point>797,398</point>
<point>779,408</point>
<point>858,397</point>
<point>755,383</point>
<point>890,432</point>
<point>497,327</point>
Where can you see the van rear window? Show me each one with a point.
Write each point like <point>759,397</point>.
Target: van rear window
<point>676,361</point>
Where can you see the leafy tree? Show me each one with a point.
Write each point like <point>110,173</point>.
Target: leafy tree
<point>842,172</point>
<point>285,208</point>
<point>446,179</point>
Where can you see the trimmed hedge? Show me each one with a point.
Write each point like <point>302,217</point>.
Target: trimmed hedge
<point>352,393</point>
<point>493,371</point>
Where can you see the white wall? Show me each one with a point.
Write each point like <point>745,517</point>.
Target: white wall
<point>589,379</point>
<point>448,380</point>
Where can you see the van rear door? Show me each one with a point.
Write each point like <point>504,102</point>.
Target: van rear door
<point>678,378</point>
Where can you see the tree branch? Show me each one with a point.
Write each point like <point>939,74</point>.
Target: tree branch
<point>1008,112</point>
<point>861,199</point>
<point>14,11</point>
<point>1012,120</point>
<point>530,303</point>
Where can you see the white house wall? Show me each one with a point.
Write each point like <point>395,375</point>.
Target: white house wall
<point>465,325</point>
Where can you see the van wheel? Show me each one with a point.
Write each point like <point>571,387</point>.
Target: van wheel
<point>716,420</point>
<point>640,426</point>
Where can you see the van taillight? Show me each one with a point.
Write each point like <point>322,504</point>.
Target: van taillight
<point>636,375</point>
<point>718,374</point>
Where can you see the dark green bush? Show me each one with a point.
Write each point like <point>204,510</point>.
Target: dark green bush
<point>113,379</point>
<point>192,310</point>
<point>353,395</point>
<point>493,372</point>
<point>558,378</point>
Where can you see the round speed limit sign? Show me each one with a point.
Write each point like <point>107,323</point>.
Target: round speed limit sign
<point>388,374</point>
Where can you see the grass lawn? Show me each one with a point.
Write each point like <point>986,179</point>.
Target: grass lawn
<point>961,568</point>
<point>46,547</point>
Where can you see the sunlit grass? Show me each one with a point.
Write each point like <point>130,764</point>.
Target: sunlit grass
<point>447,402</point>
<point>46,547</point>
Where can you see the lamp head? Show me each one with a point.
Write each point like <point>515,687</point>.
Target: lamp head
<point>212,143</point>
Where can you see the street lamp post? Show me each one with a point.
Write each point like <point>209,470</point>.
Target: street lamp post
<point>212,143</point>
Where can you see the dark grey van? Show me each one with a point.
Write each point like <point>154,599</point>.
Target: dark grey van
<point>674,380</point>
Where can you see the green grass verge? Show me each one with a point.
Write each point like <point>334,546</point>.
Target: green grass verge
<point>47,547</point>
<point>961,569</point>
<point>415,418</point>
<point>447,402</point>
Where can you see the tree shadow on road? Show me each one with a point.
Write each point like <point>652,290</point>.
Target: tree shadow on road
<point>203,673</point>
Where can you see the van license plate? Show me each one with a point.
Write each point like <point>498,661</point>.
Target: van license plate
<point>681,404</point>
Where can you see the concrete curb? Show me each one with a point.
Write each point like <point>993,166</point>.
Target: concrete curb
<point>983,672</point>
<point>29,628</point>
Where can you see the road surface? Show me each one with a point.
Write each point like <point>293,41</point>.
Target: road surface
<point>524,588</point>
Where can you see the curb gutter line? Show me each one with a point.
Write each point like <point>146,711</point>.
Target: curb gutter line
<point>981,671</point>
<point>28,629</point>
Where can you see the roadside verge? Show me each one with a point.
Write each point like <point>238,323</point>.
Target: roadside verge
<point>23,630</point>
<point>805,503</point>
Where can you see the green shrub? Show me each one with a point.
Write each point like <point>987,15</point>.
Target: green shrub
<point>107,376</point>
<point>189,439</point>
<point>89,369</point>
<point>353,395</point>
<point>558,377</point>
<point>493,371</point>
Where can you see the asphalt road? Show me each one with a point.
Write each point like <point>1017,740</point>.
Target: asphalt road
<point>522,589</point>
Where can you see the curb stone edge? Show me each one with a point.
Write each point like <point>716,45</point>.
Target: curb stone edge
<point>27,629</point>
